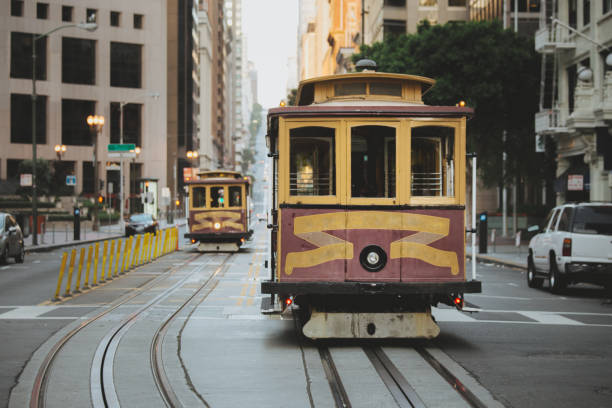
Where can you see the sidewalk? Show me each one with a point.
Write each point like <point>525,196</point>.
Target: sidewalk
<point>504,253</point>
<point>63,235</point>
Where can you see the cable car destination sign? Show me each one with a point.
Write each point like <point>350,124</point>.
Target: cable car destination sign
<point>125,150</point>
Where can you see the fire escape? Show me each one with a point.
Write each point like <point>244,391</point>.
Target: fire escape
<point>552,39</point>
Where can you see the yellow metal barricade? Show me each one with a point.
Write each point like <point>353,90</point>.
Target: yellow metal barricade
<point>135,254</point>
<point>117,257</point>
<point>77,288</point>
<point>61,275</point>
<point>70,270</point>
<point>89,255</point>
<point>95,271</point>
<point>111,254</point>
<point>103,270</point>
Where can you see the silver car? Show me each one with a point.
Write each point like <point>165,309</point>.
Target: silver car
<point>11,239</point>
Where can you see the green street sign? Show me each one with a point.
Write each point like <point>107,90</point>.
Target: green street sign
<point>126,147</point>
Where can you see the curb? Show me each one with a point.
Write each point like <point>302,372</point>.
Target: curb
<point>51,247</point>
<point>498,261</point>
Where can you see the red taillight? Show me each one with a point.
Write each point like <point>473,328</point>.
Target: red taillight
<point>567,247</point>
<point>458,301</point>
<point>288,301</point>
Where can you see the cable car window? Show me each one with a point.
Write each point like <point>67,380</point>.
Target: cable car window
<point>373,161</point>
<point>235,196</point>
<point>312,165</point>
<point>432,161</point>
<point>216,197</point>
<point>386,88</point>
<point>351,88</point>
<point>198,197</point>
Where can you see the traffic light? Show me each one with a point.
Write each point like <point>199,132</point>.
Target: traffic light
<point>100,199</point>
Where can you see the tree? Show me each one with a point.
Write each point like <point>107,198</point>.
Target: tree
<point>493,70</point>
<point>43,178</point>
<point>291,97</point>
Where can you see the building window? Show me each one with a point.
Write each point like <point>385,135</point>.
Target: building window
<point>126,65</point>
<point>67,13</point>
<point>395,3</point>
<point>61,169</point>
<point>132,123</point>
<point>138,21</point>
<point>21,56</point>
<point>114,18</point>
<point>572,12</point>
<point>78,61</point>
<point>12,169</point>
<point>606,6</point>
<point>17,8</point>
<point>88,177</point>
<point>42,11</point>
<point>394,27</point>
<point>75,131</point>
<point>21,119</point>
<point>586,12</point>
<point>91,15</point>
<point>428,3</point>
<point>456,3</point>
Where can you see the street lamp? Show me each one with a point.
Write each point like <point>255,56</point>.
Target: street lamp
<point>60,150</point>
<point>136,152</point>
<point>83,26</point>
<point>192,154</point>
<point>95,123</point>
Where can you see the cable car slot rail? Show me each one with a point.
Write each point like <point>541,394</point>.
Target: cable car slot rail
<point>402,392</point>
<point>37,395</point>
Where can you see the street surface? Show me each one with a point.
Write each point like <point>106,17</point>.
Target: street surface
<point>187,329</point>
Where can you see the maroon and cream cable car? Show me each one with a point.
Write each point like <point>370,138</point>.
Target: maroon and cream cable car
<point>368,218</point>
<point>219,213</point>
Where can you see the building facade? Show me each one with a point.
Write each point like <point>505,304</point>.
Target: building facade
<point>117,71</point>
<point>576,105</point>
<point>385,17</point>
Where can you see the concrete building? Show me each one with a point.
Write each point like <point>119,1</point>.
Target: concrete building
<point>206,152</point>
<point>384,17</point>
<point>117,71</point>
<point>329,37</point>
<point>576,108</point>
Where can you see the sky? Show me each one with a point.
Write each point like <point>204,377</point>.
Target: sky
<point>270,27</point>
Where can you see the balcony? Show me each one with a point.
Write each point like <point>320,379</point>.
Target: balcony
<point>548,122</point>
<point>552,38</point>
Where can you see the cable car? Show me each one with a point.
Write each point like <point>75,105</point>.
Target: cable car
<point>368,218</point>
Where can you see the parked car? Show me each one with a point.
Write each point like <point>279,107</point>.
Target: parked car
<point>574,245</point>
<point>141,223</point>
<point>11,239</point>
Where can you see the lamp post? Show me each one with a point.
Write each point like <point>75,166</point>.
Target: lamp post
<point>83,26</point>
<point>133,175</point>
<point>95,123</point>
<point>60,150</point>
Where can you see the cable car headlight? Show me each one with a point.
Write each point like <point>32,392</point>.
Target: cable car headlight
<point>217,225</point>
<point>373,258</point>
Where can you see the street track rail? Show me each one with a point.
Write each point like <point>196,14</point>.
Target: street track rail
<point>103,390</point>
<point>101,381</point>
<point>402,392</point>
<point>42,376</point>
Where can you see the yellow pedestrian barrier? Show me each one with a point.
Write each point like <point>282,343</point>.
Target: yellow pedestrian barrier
<point>144,245</point>
<point>157,244</point>
<point>135,254</point>
<point>102,279</point>
<point>77,288</point>
<point>89,253</point>
<point>111,258</point>
<point>125,255</point>
<point>117,257</point>
<point>95,276</point>
<point>61,275</point>
<point>151,246</point>
<point>130,249</point>
<point>70,270</point>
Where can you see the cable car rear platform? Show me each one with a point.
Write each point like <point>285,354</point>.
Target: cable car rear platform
<point>220,236</point>
<point>369,288</point>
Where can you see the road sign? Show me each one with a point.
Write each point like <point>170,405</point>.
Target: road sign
<point>26,180</point>
<point>71,180</point>
<point>126,147</point>
<point>124,155</point>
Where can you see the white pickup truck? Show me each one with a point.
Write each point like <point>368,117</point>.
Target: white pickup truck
<point>574,245</point>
